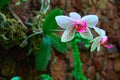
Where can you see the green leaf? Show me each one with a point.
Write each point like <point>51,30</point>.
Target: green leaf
<point>43,56</point>
<point>50,22</point>
<point>57,44</point>
<point>3,3</point>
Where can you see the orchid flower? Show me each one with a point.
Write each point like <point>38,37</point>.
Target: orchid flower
<point>78,24</point>
<point>100,40</point>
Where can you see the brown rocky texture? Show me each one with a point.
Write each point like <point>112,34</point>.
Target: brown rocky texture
<point>58,68</point>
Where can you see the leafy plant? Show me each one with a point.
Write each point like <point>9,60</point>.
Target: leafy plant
<point>49,25</point>
<point>46,38</point>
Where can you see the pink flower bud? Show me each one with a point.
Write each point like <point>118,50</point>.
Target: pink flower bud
<point>104,39</point>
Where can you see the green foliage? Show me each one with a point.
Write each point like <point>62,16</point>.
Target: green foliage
<point>50,24</point>
<point>77,72</point>
<point>3,3</point>
<point>43,55</point>
<point>57,44</point>
<point>48,37</point>
<point>45,77</point>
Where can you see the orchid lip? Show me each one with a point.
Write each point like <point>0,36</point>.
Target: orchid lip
<point>80,26</point>
<point>104,39</point>
<point>108,46</point>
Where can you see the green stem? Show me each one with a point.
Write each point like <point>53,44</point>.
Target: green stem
<point>36,33</point>
<point>78,73</point>
<point>26,39</point>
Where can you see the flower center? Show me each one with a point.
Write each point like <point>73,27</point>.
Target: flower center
<point>80,26</point>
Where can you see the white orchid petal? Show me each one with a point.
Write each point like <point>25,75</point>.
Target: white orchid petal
<point>91,20</point>
<point>75,16</point>
<point>95,44</point>
<point>87,34</point>
<point>98,47</point>
<point>68,35</point>
<point>101,32</point>
<point>64,21</point>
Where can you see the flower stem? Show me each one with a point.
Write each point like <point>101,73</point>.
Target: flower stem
<point>77,72</point>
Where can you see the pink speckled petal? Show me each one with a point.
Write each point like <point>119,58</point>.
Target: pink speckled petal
<point>64,21</point>
<point>68,35</point>
<point>101,32</point>
<point>87,34</point>
<point>75,16</point>
<point>91,20</point>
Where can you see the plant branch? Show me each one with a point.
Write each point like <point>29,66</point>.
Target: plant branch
<point>25,41</point>
<point>78,73</point>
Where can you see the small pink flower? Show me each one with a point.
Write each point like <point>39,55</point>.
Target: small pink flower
<point>103,42</point>
<point>78,24</point>
<point>102,39</point>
